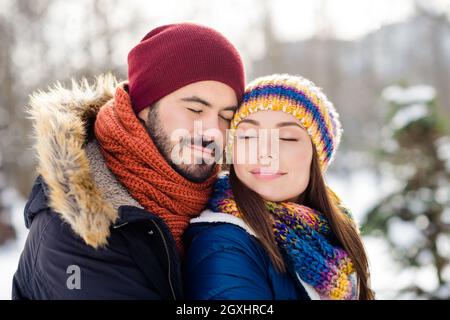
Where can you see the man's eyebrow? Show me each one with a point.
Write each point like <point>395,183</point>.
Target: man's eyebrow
<point>288,123</point>
<point>196,99</point>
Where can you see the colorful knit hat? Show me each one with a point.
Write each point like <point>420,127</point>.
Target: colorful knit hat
<point>175,55</point>
<point>302,99</point>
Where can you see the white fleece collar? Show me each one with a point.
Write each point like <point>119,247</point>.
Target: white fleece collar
<point>216,217</point>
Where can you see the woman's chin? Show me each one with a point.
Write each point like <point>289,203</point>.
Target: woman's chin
<point>271,194</point>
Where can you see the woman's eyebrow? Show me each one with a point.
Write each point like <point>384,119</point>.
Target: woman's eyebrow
<point>288,123</point>
<point>279,125</point>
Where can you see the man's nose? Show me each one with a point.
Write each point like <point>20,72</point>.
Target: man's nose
<point>211,127</point>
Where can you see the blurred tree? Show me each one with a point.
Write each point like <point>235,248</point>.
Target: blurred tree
<point>414,220</point>
<point>7,231</point>
<point>21,54</point>
<point>21,68</point>
<point>6,100</point>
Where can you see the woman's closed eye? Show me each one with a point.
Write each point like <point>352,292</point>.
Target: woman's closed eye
<point>289,139</point>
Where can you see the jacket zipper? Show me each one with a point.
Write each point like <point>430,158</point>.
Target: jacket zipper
<point>168,258</point>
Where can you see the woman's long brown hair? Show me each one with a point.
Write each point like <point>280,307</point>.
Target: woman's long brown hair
<point>316,196</point>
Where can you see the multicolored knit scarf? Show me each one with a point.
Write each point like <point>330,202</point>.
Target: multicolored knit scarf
<point>134,159</point>
<point>305,237</point>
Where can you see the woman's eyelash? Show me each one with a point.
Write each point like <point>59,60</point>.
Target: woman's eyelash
<point>251,137</point>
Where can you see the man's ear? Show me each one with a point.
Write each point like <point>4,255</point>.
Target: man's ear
<point>143,114</point>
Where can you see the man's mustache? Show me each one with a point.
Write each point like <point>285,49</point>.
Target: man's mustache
<point>202,141</point>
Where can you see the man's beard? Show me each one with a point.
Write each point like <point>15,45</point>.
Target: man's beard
<point>192,172</point>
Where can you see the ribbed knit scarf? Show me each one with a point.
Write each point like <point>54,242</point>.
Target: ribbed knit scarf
<point>137,163</point>
<point>305,238</point>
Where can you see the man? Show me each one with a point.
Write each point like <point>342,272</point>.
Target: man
<point>116,188</point>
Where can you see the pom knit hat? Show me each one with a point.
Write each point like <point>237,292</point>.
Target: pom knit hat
<point>175,55</point>
<point>302,99</point>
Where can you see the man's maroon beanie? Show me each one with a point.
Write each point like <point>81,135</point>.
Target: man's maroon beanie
<point>173,56</point>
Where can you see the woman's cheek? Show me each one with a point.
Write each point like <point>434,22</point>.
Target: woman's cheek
<point>296,159</point>
<point>290,152</point>
<point>240,170</point>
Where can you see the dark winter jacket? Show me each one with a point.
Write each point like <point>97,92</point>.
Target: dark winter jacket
<point>225,261</point>
<point>88,238</point>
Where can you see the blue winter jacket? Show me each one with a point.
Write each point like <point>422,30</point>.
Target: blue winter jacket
<point>224,261</point>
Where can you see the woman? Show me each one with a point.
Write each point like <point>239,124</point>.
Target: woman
<point>273,229</point>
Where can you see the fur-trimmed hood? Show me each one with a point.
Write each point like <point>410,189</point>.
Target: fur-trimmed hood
<point>80,186</point>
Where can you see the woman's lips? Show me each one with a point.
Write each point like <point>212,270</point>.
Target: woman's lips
<point>266,173</point>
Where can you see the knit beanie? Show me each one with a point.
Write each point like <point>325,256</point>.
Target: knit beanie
<point>175,55</point>
<point>302,99</point>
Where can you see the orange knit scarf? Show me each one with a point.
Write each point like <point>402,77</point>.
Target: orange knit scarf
<point>137,163</point>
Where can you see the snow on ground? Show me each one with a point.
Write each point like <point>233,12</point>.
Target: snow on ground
<point>10,252</point>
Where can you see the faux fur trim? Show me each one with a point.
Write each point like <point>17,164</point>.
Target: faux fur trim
<point>63,120</point>
<point>112,190</point>
<point>215,217</point>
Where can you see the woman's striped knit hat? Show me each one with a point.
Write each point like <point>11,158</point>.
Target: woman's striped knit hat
<point>302,99</point>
